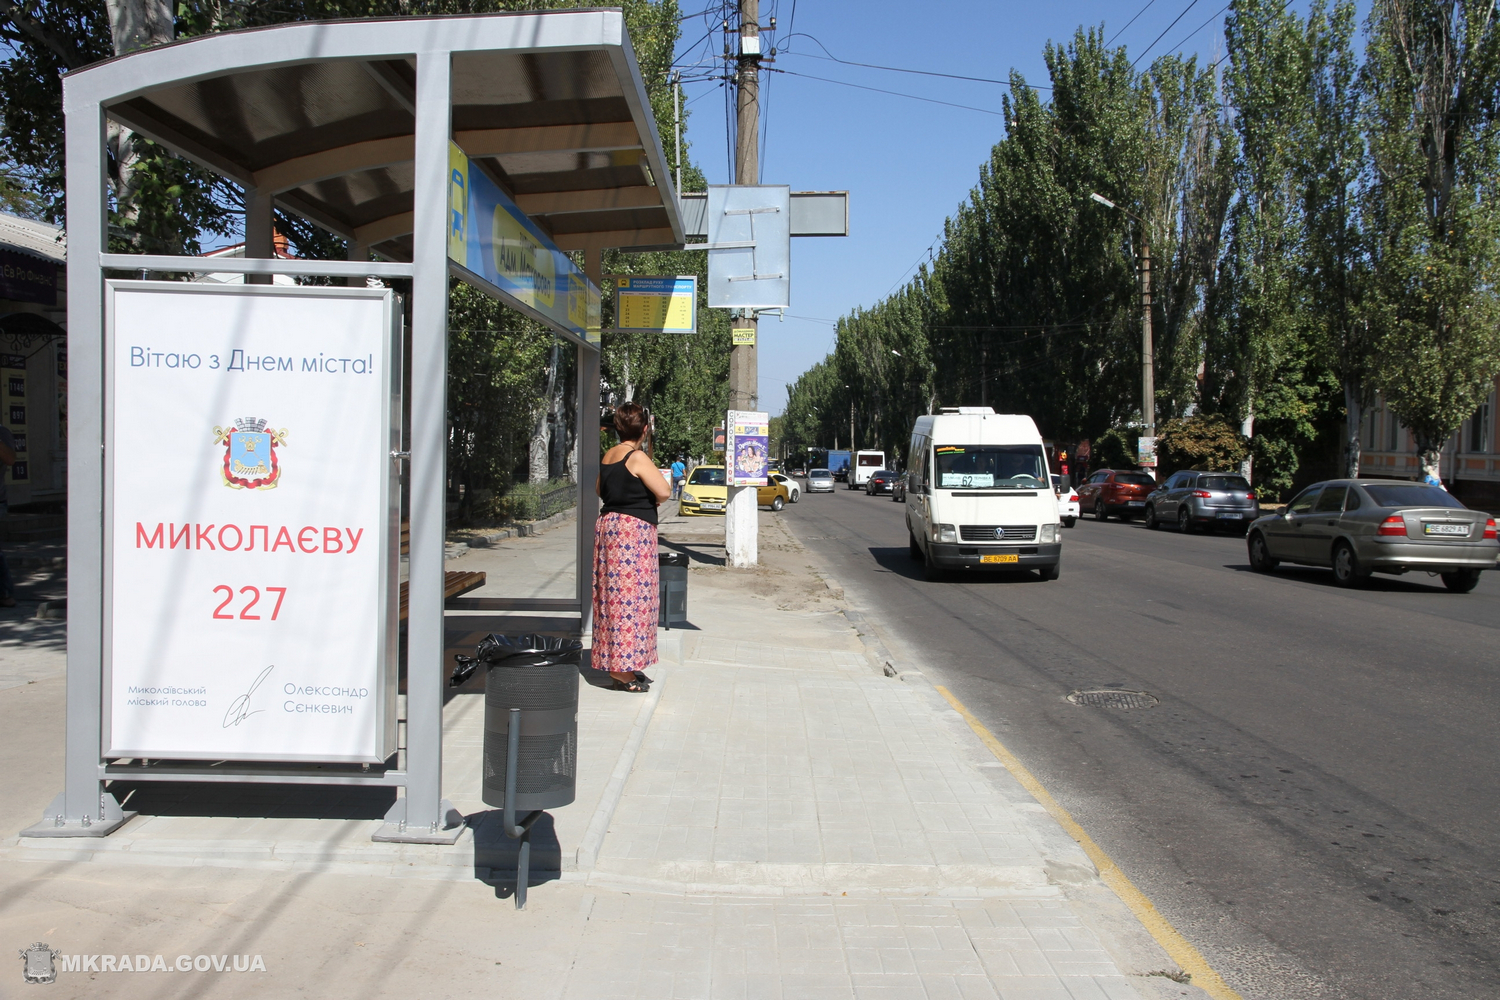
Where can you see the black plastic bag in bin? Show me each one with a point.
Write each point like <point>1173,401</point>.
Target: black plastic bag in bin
<point>496,650</point>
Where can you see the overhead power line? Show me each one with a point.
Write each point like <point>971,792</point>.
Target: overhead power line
<point>1129,23</point>
<point>830,57</point>
<point>1179,17</point>
<point>893,93</point>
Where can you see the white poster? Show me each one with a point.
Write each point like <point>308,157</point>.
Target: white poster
<point>249,608</point>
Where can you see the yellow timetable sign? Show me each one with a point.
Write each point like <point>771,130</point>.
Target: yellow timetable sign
<point>655,303</point>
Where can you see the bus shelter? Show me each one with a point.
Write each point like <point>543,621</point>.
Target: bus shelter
<point>484,148</point>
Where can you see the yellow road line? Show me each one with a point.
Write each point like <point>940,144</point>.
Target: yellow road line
<point>1176,946</point>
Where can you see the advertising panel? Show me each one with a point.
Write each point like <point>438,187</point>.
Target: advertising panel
<point>1146,452</point>
<point>748,454</point>
<point>251,532</point>
<point>655,303</point>
<point>492,238</point>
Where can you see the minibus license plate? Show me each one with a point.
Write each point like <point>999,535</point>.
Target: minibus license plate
<point>1001,558</point>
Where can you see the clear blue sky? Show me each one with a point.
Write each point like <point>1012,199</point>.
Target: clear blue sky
<point>907,164</point>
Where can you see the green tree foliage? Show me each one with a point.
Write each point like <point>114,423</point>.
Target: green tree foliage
<point>1202,441</point>
<point>1033,303</point>
<point>1432,76</point>
<point>1320,228</point>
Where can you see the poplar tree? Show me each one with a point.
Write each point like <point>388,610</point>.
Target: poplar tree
<point>1431,76</point>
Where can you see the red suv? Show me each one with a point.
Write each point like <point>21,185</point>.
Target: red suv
<point>1112,491</point>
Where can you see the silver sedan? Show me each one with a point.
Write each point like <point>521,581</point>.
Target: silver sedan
<point>1363,526</point>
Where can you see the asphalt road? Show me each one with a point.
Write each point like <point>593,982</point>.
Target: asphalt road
<point>1313,803</point>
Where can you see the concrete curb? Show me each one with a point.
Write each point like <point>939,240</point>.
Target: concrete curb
<point>588,850</point>
<point>480,538</point>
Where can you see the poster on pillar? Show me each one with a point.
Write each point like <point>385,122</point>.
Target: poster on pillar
<point>748,450</point>
<point>252,522</point>
<point>495,241</point>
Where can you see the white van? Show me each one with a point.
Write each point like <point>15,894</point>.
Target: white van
<point>864,465</point>
<point>979,494</point>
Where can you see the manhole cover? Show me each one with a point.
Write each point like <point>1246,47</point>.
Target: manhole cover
<point>1112,698</point>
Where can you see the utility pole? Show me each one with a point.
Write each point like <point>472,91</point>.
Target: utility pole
<point>851,421</point>
<point>1148,351</point>
<point>743,390</point>
<point>741,528</point>
<point>1148,360</point>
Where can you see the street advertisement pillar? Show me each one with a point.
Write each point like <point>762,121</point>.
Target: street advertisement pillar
<point>251,522</point>
<point>747,463</point>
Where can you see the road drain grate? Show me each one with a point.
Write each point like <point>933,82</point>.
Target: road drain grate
<point>1113,698</point>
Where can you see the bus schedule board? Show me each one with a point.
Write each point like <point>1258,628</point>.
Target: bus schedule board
<point>655,303</point>
<point>251,522</point>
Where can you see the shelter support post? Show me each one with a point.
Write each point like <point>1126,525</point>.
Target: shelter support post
<point>588,458</point>
<point>84,809</point>
<point>360,252</point>
<point>260,236</point>
<point>423,815</point>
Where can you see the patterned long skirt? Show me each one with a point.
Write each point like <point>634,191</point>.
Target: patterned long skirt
<point>625,594</point>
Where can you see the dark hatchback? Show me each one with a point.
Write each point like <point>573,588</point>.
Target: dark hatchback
<point>1195,499</point>
<point>881,481</point>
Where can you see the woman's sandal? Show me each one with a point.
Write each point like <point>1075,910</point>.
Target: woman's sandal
<point>640,675</point>
<point>636,686</point>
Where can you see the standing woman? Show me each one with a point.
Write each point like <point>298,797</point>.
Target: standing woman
<point>625,560</point>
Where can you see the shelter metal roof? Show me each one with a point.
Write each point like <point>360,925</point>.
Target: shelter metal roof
<point>39,239</point>
<point>551,105</point>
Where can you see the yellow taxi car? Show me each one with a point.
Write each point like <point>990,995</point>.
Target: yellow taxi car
<point>704,493</point>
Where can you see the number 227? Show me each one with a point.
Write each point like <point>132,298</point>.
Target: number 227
<point>254,593</point>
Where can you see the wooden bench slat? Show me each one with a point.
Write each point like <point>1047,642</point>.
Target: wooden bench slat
<point>455,583</point>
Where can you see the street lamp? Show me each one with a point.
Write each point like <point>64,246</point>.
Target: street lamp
<point>1148,361</point>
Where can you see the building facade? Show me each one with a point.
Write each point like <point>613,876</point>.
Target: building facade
<point>34,359</point>
<point>1470,461</point>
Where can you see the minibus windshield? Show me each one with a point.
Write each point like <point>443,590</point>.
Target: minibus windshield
<point>978,466</point>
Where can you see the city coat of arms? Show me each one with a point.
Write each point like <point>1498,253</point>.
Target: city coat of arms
<point>250,459</point>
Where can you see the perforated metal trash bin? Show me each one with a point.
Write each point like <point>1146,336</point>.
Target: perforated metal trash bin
<point>672,589</point>
<point>539,675</point>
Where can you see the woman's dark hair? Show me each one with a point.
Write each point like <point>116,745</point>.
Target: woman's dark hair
<point>631,420</point>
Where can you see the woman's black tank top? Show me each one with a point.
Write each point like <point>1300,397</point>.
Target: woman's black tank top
<point>621,492</point>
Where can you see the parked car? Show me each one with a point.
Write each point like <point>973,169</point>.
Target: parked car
<point>1362,526</point>
<point>820,481</point>
<point>1112,491</point>
<point>1067,502</point>
<point>794,491</point>
<point>881,481</point>
<point>898,490</point>
<point>705,493</point>
<point>1209,500</point>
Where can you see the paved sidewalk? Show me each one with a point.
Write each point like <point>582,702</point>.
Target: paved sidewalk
<point>777,819</point>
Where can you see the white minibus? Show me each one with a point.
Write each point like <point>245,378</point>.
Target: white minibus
<point>979,494</point>
<point>863,466</point>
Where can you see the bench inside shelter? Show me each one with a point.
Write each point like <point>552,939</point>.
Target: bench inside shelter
<point>455,582</point>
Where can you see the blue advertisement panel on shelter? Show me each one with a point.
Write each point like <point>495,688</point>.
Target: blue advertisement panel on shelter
<point>491,237</point>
